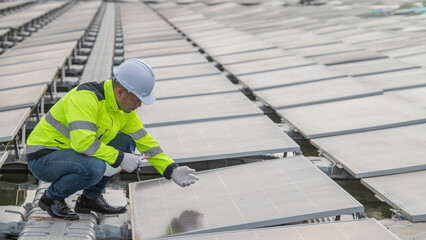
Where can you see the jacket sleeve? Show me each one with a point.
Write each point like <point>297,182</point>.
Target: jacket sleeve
<point>81,114</point>
<point>147,144</point>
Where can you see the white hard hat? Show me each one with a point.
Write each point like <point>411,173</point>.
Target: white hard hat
<point>138,78</point>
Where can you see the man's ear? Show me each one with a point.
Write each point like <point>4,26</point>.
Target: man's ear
<point>120,92</point>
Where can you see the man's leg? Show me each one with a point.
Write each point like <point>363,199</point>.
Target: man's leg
<point>69,172</point>
<point>91,199</point>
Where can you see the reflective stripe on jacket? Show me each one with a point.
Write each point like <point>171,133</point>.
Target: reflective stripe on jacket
<point>86,119</point>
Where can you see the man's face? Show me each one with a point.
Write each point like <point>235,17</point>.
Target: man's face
<point>127,101</point>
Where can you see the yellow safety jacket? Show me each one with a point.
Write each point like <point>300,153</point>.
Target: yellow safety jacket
<point>86,119</point>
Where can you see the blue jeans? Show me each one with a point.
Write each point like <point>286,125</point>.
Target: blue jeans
<point>70,171</point>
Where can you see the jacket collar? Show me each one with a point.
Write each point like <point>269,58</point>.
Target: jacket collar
<point>110,97</point>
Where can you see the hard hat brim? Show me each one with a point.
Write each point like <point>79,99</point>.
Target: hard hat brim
<point>148,100</point>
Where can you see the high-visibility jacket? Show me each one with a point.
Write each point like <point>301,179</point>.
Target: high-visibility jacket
<point>86,119</point>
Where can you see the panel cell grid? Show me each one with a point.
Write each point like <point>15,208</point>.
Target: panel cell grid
<point>240,197</point>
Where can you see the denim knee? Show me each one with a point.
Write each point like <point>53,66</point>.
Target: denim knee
<point>95,173</point>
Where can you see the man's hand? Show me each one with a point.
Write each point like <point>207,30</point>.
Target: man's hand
<point>183,176</point>
<point>130,162</point>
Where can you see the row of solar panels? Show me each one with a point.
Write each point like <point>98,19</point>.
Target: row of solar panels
<point>28,68</point>
<point>245,131</point>
<point>354,86</point>
<point>10,6</point>
<point>18,25</point>
<point>201,115</point>
<point>197,134</point>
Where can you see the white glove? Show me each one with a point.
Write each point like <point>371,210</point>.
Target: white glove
<point>130,162</point>
<point>183,176</point>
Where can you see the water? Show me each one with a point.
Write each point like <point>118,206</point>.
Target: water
<point>373,207</point>
<point>15,188</point>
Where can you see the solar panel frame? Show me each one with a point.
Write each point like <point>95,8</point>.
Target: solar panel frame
<point>377,147</point>
<point>11,122</point>
<point>365,68</point>
<point>401,191</point>
<point>175,60</point>
<point>193,86</point>
<point>21,97</point>
<point>197,109</point>
<point>221,139</point>
<point>288,77</point>
<point>180,72</point>
<point>235,198</point>
<point>362,229</point>
<point>316,92</point>
<point>3,157</point>
<point>267,65</point>
<point>27,79</point>
<point>353,115</point>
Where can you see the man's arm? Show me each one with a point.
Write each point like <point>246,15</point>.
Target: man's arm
<point>147,144</point>
<point>81,115</point>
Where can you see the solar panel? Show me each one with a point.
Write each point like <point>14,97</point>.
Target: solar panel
<point>371,67</point>
<point>397,80</point>
<point>416,59</point>
<point>218,37</point>
<point>175,60</point>
<point>34,57</point>
<point>30,67</point>
<point>347,57</point>
<point>366,36</point>
<point>21,97</point>
<point>406,51</point>
<point>250,56</point>
<point>156,28</point>
<point>378,150</point>
<point>18,51</point>
<point>325,49</point>
<point>330,29</point>
<point>196,86</point>
<point>304,40</point>
<point>28,79</point>
<point>228,138</point>
<point>287,77</point>
<point>365,229</point>
<point>388,44</point>
<point>242,46</point>
<point>141,38</point>
<point>354,115</point>
<point>346,33</point>
<point>11,121</point>
<point>155,45</point>
<point>179,72</point>
<point>416,96</point>
<point>161,52</point>
<point>239,197</point>
<point>316,92</point>
<point>197,108</point>
<point>46,40</point>
<point>402,191</point>
<point>267,65</point>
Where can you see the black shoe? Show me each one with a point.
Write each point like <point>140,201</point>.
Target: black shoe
<point>99,205</point>
<point>57,208</point>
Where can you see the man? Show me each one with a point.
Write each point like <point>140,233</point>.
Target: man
<point>92,126</point>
